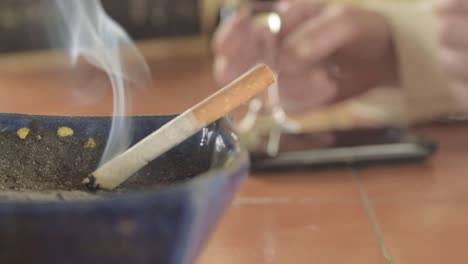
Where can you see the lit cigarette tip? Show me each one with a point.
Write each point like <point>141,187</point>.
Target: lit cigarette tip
<point>90,182</point>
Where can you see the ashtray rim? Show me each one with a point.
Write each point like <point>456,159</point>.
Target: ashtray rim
<point>239,166</point>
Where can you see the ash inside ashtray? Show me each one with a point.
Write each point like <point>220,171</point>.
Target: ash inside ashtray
<point>40,163</point>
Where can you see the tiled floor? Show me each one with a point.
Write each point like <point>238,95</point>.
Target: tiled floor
<point>294,233</point>
<point>430,233</point>
<point>408,214</point>
<point>324,186</point>
<point>444,178</point>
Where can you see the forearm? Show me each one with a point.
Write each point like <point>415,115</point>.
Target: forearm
<point>420,77</point>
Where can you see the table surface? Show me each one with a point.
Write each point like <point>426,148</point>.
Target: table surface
<point>408,213</point>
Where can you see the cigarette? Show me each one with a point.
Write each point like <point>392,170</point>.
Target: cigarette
<point>122,167</point>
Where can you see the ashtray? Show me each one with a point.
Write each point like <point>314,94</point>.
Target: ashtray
<point>164,214</point>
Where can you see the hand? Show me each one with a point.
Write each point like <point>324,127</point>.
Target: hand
<point>351,48</point>
<point>452,30</point>
<point>326,52</point>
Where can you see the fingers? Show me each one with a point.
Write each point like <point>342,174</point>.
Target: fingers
<point>319,37</point>
<point>235,46</point>
<point>453,32</point>
<point>455,65</point>
<point>306,92</point>
<point>460,92</point>
<point>234,34</point>
<point>227,68</point>
<point>444,7</point>
<point>295,12</point>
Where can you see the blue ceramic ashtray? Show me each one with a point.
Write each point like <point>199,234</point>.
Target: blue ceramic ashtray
<point>162,215</point>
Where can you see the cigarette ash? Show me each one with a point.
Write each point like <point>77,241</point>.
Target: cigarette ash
<point>38,163</point>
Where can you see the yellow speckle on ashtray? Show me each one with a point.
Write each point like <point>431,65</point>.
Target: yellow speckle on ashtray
<point>64,132</point>
<point>91,143</point>
<point>23,132</point>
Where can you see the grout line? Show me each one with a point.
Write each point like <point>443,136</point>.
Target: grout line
<point>407,201</point>
<point>373,218</point>
<point>287,201</point>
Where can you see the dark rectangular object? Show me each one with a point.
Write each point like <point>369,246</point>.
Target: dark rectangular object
<point>355,148</point>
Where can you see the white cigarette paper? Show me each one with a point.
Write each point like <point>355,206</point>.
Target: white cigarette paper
<point>119,169</point>
<point>122,167</point>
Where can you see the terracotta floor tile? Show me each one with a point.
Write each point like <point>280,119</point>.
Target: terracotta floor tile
<point>425,233</point>
<point>416,183</point>
<point>333,185</point>
<point>293,234</point>
<point>178,84</point>
<point>441,178</point>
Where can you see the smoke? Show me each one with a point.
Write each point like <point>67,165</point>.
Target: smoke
<point>87,33</point>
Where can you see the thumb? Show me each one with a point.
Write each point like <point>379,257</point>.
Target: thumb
<point>233,33</point>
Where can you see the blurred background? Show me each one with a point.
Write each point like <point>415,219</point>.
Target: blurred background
<point>173,35</point>
<point>141,18</point>
<point>175,38</point>
<point>165,25</point>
